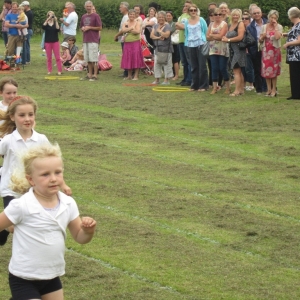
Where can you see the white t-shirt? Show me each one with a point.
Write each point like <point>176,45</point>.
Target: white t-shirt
<point>3,107</point>
<point>124,19</point>
<point>12,146</point>
<point>72,20</point>
<point>39,238</point>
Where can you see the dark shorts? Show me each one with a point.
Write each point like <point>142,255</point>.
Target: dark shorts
<point>22,289</point>
<point>175,54</point>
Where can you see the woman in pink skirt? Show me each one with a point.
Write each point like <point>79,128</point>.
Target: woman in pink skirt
<point>132,58</point>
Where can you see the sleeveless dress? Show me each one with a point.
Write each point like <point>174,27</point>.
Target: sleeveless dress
<point>218,47</point>
<point>271,58</point>
<point>237,57</point>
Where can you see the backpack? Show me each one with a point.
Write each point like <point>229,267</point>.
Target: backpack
<point>103,63</point>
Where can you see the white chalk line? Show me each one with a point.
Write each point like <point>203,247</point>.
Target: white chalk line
<point>185,233</point>
<point>130,274</point>
<point>246,206</point>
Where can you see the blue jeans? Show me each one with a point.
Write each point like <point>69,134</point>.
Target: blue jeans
<point>248,71</point>
<point>26,47</point>
<point>199,69</point>
<point>219,64</point>
<point>125,74</point>
<point>5,37</point>
<point>187,76</point>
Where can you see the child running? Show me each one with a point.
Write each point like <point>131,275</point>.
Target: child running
<point>41,217</point>
<point>18,135</point>
<point>8,90</point>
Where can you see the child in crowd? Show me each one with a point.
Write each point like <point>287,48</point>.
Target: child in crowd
<point>22,20</point>
<point>73,50</point>
<point>65,15</point>
<point>40,218</point>
<point>8,90</point>
<point>17,135</point>
<point>77,63</point>
<point>65,55</point>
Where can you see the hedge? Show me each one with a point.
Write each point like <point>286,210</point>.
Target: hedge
<point>109,10</point>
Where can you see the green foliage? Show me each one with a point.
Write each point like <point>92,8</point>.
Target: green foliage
<point>281,6</point>
<point>109,11</point>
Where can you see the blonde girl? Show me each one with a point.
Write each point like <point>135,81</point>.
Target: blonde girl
<point>18,135</point>
<point>40,218</point>
<point>77,63</point>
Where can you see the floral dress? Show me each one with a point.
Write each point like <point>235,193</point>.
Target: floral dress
<point>271,58</point>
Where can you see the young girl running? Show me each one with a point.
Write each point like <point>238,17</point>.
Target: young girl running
<point>41,217</point>
<point>20,115</point>
<point>8,90</point>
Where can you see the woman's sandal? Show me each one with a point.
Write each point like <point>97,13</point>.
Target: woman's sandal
<point>191,90</point>
<point>234,94</point>
<point>202,90</point>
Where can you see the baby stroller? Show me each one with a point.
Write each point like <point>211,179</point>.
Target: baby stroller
<point>148,58</point>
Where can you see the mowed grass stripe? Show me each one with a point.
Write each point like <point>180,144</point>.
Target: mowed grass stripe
<point>205,269</point>
<point>234,153</point>
<point>194,176</point>
<point>135,121</point>
<point>217,220</point>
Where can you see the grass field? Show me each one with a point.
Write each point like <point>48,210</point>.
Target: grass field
<point>196,195</point>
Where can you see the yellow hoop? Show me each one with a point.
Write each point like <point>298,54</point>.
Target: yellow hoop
<point>169,89</point>
<point>61,77</point>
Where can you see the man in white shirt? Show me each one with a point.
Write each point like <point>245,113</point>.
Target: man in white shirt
<point>124,7</point>
<point>70,24</point>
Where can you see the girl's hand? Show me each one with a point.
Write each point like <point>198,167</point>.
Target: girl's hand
<point>88,225</point>
<point>285,46</point>
<point>66,189</point>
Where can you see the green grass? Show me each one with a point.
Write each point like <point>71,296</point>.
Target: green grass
<point>196,195</point>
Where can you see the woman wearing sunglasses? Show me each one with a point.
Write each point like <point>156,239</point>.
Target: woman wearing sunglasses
<point>218,52</point>
<point>237,57</point>
<point>195,37</point>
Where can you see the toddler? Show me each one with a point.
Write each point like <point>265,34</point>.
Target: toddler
<point>65,54</point>
<point>22,20</point>
<point>77,63</point>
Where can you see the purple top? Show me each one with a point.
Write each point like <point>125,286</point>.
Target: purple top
<point>91,36</point>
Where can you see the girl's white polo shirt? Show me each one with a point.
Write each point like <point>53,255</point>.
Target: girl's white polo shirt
<point>39,238</point>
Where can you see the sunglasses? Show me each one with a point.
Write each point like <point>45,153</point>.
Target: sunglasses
<point>217,15</point>
<point>245,18</point>
<point>192,10</point>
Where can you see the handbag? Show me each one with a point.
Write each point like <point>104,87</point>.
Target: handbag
<point>247,41</point>
<point>103,63</point>
<point>205,49</point>
<point>162,57</point>
<point>175,37</point>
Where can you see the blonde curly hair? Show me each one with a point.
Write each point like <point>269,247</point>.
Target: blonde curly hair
<point>19,183</point>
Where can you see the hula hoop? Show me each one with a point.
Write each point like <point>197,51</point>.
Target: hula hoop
<point>61,77</point>
<point>169,89</point>
<point>137,84</point>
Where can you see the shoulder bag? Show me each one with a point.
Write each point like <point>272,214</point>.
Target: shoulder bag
<point>247,41</point>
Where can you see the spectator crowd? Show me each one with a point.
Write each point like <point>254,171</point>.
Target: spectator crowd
<point>211,51</point>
